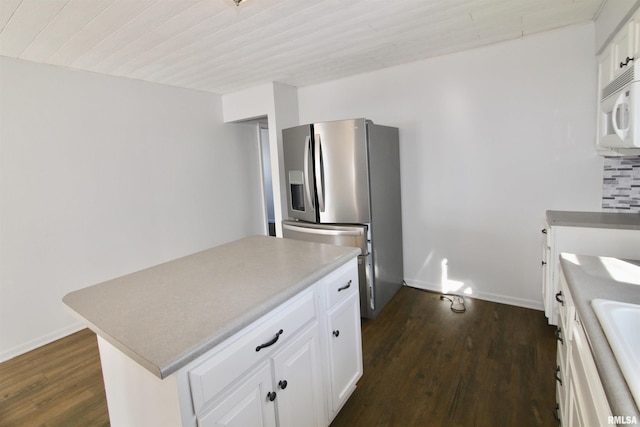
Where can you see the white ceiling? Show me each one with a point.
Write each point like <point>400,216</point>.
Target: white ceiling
<point>216,46</point>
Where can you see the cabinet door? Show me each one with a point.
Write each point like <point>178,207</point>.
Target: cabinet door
<point>345,350</point>
<point>635,36</point>
<point>591,402</point>
<point>298,379</point>
<point>247,404</point>
<point>623,50</point>
<point>547,291</point>
<point>605,69</point>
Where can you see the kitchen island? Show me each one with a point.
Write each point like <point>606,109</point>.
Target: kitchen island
<point>201,340</point>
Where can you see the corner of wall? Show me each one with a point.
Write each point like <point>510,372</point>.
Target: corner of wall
<point>279,103</point>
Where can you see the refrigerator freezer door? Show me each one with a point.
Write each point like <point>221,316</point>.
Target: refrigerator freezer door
<point>298,161</point>
<point>341,171</point>
<point>341,235</point>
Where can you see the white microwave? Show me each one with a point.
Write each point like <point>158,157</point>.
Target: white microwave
<point>619,121</point>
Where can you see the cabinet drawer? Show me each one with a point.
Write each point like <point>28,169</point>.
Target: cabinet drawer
<point>342,284</point>
<point>242,351</point>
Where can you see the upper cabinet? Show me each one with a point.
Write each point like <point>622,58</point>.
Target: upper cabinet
<point>610,17</point>
<point>618,103</point>
<point>623,48</point>
<point>620,53</point>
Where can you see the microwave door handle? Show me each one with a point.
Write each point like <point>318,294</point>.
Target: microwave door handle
<point>622,133</point>
<point>319,173</point>
<point>307,190</point>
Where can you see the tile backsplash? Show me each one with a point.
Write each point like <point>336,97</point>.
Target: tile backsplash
<point>621,186</point>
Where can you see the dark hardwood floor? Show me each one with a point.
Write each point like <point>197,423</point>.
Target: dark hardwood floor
<point>427,366</point>
<point>423,366</point>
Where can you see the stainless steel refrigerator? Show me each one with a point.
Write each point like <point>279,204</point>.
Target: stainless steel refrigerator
<point>343,188</point>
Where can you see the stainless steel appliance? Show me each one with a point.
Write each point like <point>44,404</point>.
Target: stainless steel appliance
<point>343,188</point>
<point>620,111</point>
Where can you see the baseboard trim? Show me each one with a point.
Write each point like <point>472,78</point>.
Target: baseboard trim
<point>486,296</point>
<point>40,341</point>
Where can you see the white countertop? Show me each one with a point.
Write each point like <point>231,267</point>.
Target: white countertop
<point>165,316</point>
<point>624,221</point>
<point>589,278</point>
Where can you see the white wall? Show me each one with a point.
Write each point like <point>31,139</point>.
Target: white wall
<point>102,176</point>
<point>489,139</point>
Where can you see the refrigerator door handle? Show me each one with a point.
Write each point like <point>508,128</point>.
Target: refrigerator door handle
<point>307,190</point>
<point>320,172</point>
<point>323,232</point>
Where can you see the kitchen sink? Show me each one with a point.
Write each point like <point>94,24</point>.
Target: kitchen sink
<point>620,323</point>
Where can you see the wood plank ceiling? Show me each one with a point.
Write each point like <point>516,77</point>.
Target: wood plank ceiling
<point>216,46</point>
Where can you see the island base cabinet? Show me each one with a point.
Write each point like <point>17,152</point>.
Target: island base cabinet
<point>345,351</point>
<point>136,397</point>
<point>295,366</point>
<point>286,390</point>
<point>246,405</point>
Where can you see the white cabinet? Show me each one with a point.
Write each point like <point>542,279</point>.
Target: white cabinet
<point>606,63</point>
<point>286,390</point>
<point>619,55</point>
<point>579,393</point>
<point>345,351</point>
<point>295,366</point>
<point>563,335</point>
<point>343,338</point>
<point>605,68</point>
<point>622,47</point>
<point>590,400</point>
<point>219,370</point>
<point>245,404</point>
<point>298,382</point>
<point>615,60</point>
<point>619,243</point>
<point>313,352</point>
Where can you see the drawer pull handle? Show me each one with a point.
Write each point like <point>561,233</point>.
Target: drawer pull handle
<point>544,231</point>
<point>271,396</point>
<point>270,343</point>
<point>347,286</point>
<point>559,299</point>
<point>558,337</point>
<point>557,377</point>
<point>283,384</point>
<point>544,263</point>
<point>336,334</point>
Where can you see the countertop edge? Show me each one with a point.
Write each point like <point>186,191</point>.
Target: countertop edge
<point>609,220</point>
<point>248,318</point>
<point>585,288</point>
<point>163,370</point>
